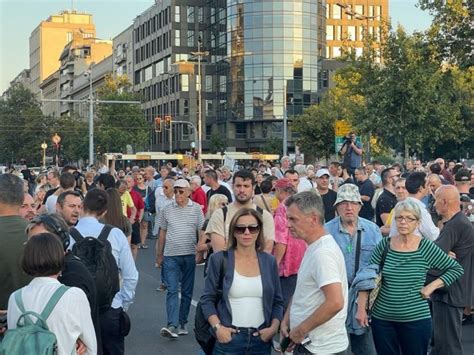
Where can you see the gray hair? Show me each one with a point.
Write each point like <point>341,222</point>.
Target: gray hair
<point>407,206</point>
<point>308,202</point>
<point>285,157</point>
<point>11,190</point>
<point>300,169</point>
<point>197,179</point>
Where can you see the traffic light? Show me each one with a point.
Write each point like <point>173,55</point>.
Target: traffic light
<point>167,122</point>
<point>158,124</point>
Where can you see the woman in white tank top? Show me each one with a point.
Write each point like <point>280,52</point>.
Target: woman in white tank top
<point>249,312</point>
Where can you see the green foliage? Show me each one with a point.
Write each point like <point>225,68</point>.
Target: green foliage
<point>120,124</point>
<point>315,128</point>
<point>273,145</point>
<point>411,101</point>
<point>216,143</point>
<point>22,127</point>
<point>452,30</point>
<point>74,132</point>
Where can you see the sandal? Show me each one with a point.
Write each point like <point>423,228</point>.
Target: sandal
<point>143,246</point>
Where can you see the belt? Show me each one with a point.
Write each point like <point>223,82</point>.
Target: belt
<point>249,330</point>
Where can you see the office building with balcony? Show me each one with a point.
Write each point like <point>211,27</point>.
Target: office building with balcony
<point>122,54</point>
<point>76,57</point>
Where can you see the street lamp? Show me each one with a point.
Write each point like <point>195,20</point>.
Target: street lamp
<point>88,73</point>
<point>200,54</point>
<point>56,140</point>
<point>44,146</point>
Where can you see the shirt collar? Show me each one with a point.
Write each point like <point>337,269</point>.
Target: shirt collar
<point>175,204</point>
<point>43,280</point>
<point>341,228</point>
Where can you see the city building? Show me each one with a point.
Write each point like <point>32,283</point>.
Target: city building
<point>23,78</point>
<point>80,54</point>
<point>50,89</point>
<point>48,39</point>
<point>123,53</point>
<point>348,22</point>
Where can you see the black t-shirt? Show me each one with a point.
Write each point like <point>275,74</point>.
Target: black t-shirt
<point>76,274</point>
<point>366,188</point>
<point>385,204</point>
<point>220,190</point>
<point>329,199</point>
<point>457,236</point>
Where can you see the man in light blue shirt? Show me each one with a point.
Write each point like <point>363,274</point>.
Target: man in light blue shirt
<point>95,207</point>
<point>349,230</point>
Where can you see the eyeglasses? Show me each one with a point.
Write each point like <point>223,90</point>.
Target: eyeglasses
<point>186,172</point>
<point>405,219</point>
<point>179,191</point>
<point>348,204</point>
<point>240,229</point>
<point>223,204</point>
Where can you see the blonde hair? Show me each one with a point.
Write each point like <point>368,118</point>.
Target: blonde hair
<point>214,203</point>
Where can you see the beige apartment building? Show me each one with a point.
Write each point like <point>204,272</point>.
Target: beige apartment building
<point>348,22</point>
<point>48,39</point>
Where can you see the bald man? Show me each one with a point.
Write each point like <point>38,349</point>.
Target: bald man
<point>434,182</point>
<point>457,236</point>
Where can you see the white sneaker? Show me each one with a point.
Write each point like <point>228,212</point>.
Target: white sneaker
<point>169,332</point>
<point>183,330</point>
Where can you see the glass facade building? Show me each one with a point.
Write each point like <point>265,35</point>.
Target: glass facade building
<point>267,56</point>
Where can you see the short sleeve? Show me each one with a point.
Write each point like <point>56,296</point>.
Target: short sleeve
<point>326,269</point>
<point>216,223</point>
<point>163,223</point>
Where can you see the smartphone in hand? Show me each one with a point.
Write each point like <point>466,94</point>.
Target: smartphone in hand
<point>284,344</point>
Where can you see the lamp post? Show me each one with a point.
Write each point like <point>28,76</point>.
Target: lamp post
<point>88,73</point>
<point>56,140</point>
<point>44,146</point>
<point>199,55</point>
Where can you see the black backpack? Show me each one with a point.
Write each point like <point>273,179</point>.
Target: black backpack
<point>96,254</point>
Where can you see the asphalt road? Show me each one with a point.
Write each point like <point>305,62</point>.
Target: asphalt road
<point>148,314</point>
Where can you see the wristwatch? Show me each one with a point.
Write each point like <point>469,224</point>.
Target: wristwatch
<point>216,327</point>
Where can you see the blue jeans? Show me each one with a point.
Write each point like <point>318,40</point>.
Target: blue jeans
<point>394,338</point>
<point>179,269</point>
<point>362,344</point>
<point>244,343</point>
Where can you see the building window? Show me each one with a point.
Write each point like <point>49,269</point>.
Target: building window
<point>208,87</point>
<point>328,11</point>
<point>336,51</point>
<point>223,83</point>
<point>177,13</point>
<point>351,33</point>
<point>177,39</point>
<point>184,84</point>
<point>336,12</point>
<point>359,9</point>
<point>338,33</point>
<point>371,10</point>
<point>186,107</point>
<point>190,14</point>
<point>208,107</point>
<point>200,14</point>
<point>329,33</point>
<point>190,38</point>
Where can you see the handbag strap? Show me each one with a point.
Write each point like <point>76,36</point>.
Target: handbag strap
<point>265,203</point>
<point>384,255</point>
<point>357,256</point>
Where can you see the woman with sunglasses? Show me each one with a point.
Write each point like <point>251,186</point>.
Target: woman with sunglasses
<point>143,190</point>
<point>247,314</point>
<point>401,317</point>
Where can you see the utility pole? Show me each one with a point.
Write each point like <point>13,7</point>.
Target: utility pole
<point>199,55</point>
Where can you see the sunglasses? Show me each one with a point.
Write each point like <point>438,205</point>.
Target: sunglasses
<point>179,191</point>
<point>240,229</point>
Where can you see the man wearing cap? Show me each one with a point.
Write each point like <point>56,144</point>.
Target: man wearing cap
<point>462,180</point>
<point>356,237</point>
<point>180,223</point>
<point>329,196</point>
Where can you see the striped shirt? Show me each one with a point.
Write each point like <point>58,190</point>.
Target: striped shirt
<point>403,277</point>
<point>182,225</point>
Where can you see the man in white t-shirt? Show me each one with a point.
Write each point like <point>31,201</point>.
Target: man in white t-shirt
<point>315,318</point>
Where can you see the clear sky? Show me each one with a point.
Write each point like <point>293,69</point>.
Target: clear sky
<point>19,17</point>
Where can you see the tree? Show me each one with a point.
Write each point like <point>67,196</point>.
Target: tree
<point>22,127</point>
<point>120,124</point>
<point>216,143</point>
<point>411,101</point>
<point>273,145</point>
<point>315,129</point>
<point>452,30</point>
<point>74,132</point>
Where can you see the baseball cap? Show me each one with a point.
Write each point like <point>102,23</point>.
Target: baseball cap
<point>348,192</point>
<point>462,175</point>
<point>283,183</point>
<point>182,183</point>
<point>322,172</point>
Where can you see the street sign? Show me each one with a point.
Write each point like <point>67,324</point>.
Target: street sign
<point>342,128</point>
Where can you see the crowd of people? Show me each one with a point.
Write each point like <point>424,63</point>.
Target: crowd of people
<point>348,258</point>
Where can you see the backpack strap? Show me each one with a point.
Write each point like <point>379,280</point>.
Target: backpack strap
<point>53,301</point>
<point>265,203</point>
<point>260,210</point>
<point>75,234</point>
<point>357,255</point>
<point>19,301</point>
<point>104,234</point>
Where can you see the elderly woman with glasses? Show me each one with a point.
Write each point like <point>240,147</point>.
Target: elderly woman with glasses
<point>401,320</point>
<point>246,314</point>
